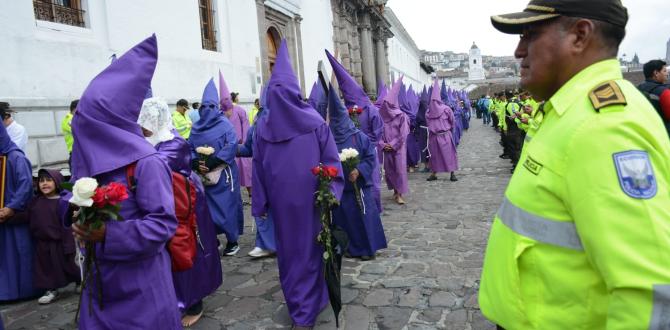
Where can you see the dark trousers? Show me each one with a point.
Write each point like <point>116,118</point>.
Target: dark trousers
<point>494,119</point>
<point>487,117</point>
<point>515,143</point>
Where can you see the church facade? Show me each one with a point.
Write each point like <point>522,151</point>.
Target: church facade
<point>55,47</point>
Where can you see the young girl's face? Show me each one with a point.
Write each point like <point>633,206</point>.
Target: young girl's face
<point>47,186</point>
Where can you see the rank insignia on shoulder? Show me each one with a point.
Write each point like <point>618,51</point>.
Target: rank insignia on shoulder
<point>606,94</point>
<point>636,176</point>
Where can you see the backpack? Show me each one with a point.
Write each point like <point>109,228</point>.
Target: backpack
<point>182,246</point>
<point>652,92</point>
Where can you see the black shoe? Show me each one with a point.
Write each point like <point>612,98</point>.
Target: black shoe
<point>231,249</point>
<point>367,258</point>
<point>504,156</point>
<point>432,178</point>
<point>453,178</point>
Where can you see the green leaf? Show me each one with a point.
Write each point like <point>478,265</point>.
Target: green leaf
<point>67,186</point>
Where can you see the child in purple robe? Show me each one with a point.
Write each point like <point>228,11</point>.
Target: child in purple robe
<point>53,266</point>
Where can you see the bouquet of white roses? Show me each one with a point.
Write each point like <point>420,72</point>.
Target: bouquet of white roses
<point>350,160</point>
<point>203,153</point>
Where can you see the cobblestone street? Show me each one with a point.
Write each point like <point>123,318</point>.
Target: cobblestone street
<point>427,278</point>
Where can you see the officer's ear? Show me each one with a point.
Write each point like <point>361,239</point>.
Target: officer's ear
<point>581,34</point>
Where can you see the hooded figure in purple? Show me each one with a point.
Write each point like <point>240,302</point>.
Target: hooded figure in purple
<point>238,117</point>
<point>382,90</point>
<point>443,157</point>
<point>134,264</point>
<point>223,198</point>
<point>206,275</point>
<point>407,104</point>
<point>394,143</point>
<point>290,141</point>
<point>318,100</point>
<point>265,229</point>
<point>16,246</point>
<point>363,225</point>
<point>422,126</point>
<point>371,121</point>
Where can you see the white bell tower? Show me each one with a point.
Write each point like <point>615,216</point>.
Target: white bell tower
<point>475,67</point>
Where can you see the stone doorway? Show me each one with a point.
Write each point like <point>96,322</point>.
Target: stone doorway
<point>273,39</point>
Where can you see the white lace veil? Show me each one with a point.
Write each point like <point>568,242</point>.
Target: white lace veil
<point>156,117</point>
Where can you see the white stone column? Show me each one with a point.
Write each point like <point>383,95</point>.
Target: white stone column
<point>367,54</point>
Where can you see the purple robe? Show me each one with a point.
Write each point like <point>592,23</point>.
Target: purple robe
<point>365,231</point>
<point>240,122</point>
<point>224,198</point>
<point>206,275</point>
<point>134,262</point>
<point>265,228</point>
<point>54,265</point>
<point>284,183</point>
<point>443,157</point>
<point>363,224</point>
<point>396,129</point>
<point>16,245</point>
<point>371,121</point>
<point>287,188</point>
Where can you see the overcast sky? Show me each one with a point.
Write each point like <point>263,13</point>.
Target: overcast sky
<point>440,25</point>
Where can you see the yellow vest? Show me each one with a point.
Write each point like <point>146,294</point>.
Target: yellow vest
<point>582,238</point>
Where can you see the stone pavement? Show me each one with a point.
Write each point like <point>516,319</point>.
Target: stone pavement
<point>427,278</point>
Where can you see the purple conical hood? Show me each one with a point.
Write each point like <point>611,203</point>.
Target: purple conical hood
<point>318,100</point>
<point>224,94</point>
<point>436,107</point>
<point>340,123</point>
<point>443,92</point>
<point>212,124</point>
<point>381,94</point>
<point>390,108</point>
<point>290,115</point>
<point>105,129</point>
<point>352,92</point>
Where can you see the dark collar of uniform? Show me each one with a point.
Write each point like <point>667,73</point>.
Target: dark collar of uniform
<point>579,86</point>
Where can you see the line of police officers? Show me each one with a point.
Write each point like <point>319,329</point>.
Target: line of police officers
<point>513,114</point>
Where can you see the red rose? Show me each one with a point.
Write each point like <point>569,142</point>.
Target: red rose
<point>99,200</point>
<point>359,111</point>
<point>116,193</point>
<point>331,171</point>
<point>350,110</point>
<point>316,170</point>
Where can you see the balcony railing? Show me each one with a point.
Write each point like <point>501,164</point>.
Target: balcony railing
<point>49,11</point>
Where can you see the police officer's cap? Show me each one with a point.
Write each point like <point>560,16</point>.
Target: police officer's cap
<point>610,11</point>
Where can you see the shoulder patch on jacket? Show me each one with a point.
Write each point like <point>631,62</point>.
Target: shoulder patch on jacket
<point>606,94</point>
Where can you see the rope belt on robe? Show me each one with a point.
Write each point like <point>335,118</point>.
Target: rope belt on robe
<point>427,140</point>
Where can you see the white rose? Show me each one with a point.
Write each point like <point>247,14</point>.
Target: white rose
<point>204,150</point>
<point>82,191</point>
<point>348,154</point>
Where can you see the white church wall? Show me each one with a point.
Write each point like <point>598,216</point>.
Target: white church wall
<point>317,35</point>
<point>46,65</point>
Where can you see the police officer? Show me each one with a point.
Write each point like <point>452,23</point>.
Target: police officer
<point>582,238</point>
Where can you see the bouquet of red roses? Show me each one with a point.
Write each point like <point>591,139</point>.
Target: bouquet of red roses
<point>325,201</point>
<point>97,205</point>
<point>354,112</point>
